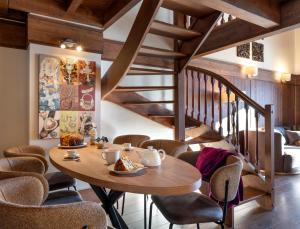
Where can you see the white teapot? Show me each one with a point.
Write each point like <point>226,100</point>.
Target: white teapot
<point>151,156</point>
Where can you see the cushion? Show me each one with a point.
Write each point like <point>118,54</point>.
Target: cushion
<point>282,130</point>
<point>62,197</point>
<point>223,144</point>
<point>59,180</point>
<point>297,143</point>
<point>293,136</point>
<point>188,209</point>
<point>283,138</point>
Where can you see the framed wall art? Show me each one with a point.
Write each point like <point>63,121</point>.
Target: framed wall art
<point>257,51</point>
<point>243,50</point>
<point>66,96</point>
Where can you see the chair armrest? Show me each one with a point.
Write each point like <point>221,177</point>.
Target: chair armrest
<point>190,157</point>
<point>21,154</point>
<point>12,174</point>
<point>25,164</point>
<point>67,216</point>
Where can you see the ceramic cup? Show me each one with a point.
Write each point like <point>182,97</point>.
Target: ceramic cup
<point>111,156</point>
<point>127,146</point>
<point>71,153</point>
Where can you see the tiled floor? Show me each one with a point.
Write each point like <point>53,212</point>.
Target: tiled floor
<point>286,215</point>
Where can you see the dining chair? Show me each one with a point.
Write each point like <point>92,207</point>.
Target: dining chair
<point>134,139</point>
<point>171,147</point>
<point>23,204</point>
<point>56,180</point>
<point>196,208</point>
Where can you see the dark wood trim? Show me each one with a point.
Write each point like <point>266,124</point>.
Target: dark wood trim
<point>13,35</point>
<point>73,6</point>
<point>4,6</point>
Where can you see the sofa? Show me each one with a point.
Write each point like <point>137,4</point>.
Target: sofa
<point>286,154</point>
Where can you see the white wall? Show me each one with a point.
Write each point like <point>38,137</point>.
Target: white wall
<point>297,52</point>
<point>34,51</point>
<point>13,97</point>
<point>278,53</point>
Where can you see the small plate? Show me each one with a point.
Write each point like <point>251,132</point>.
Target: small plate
<point>139,168</point>
<point>72,147</point>
<point>75,156</point>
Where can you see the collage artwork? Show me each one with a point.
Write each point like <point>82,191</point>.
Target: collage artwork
<point>66,96</point>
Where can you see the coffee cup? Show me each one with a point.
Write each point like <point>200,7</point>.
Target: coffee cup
<point>127,146</point>
<point>72,153</point>
<point>111,156</point>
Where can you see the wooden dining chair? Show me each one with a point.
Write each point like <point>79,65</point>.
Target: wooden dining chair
<point>171,147</point>
<point>56,180</point>
<point>24,203</point>
<point>196,208</point>
<point>135,139</point>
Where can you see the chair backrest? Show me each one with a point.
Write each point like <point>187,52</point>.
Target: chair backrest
<point>27,150</point>
<point>134,139</point>
<point>231,172</point>
<point>22,164</point>
<point>172,148</point>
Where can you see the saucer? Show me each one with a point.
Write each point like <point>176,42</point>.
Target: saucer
<point>74,156</point>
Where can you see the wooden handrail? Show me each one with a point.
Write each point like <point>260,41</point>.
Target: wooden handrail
<point>232,88</point>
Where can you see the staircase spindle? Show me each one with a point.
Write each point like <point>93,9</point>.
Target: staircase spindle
<point>220,109</point>
<point>237,122</point>
<point>256,141</point>
<point>205,98</point>
<point>212,103</point>
<point>246,148</point>
<point>199,96</point>
<point>228,112</point>
<point>187,91</point>
<point>193,94</point>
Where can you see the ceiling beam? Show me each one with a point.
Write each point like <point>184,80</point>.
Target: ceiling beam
<point>73,6</point>
<point>264,13</point>
<point>3,6</point>
<point>56,9</point>
<point>117,10</point>
<point>237,32</point>
<point>203,26</point>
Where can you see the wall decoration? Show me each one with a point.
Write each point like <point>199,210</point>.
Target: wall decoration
<point>257,51</point>
<point>243,50</point>
<point>66,96</point>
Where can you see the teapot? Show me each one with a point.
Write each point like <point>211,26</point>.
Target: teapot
<point>151,156</point>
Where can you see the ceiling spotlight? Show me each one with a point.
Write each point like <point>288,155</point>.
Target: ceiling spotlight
<point>79,48</point>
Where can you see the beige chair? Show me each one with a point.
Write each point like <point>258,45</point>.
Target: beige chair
<point>56,180</point>
<point>21,206</point>
<point>196,208</point>
<point>134,139</point>
<point>172,148</point>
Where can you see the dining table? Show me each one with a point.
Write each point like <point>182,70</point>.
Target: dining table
<point>172,177</point>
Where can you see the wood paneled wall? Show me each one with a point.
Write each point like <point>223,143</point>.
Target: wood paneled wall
<point>264,88</point>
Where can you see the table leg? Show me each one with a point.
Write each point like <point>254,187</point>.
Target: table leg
<point>108,200</point>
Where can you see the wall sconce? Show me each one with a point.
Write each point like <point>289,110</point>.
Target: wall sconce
<point>251,71</point>
<point>70,44</point>
<point>285,77</point>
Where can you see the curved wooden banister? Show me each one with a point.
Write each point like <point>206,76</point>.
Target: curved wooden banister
<point>232,88</point>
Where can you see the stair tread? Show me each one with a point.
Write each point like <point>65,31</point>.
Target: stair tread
<point>161,116</point>
<point>148,102</point>
<point>144,88</point>
<point>188,7</point>
<point>173,31</point>
<point>252,194</point>
<point>163,53</point>
<point>146,71</point>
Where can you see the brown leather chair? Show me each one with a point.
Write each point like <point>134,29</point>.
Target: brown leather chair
<point>56,180</point>
<point>196,208</point>
<point>23,205</point>
<point>171,147</point>
<point>134,139</point>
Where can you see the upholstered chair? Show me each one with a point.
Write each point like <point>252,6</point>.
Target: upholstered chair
<point>134,139</point>
<point>196,208</point>
<point>56,180</point>
<point>171,147</point>
<point>22,206</point>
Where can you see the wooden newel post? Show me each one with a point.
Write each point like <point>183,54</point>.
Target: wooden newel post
<point>179,107</point>
<point>269,155</point>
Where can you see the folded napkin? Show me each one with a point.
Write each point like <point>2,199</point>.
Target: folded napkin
<point>209,160</point>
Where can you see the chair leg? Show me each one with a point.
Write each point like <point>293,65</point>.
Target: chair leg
<point>171,226</point>
<point>150,215</point>
<point>68,188</point>
<point>198,226</point>
<point>123,204</point>
<point>74,186</point>
<point>222,225</point>
<point>145,211</point>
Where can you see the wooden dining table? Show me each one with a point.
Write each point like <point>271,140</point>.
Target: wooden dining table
<point>172,177</point>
